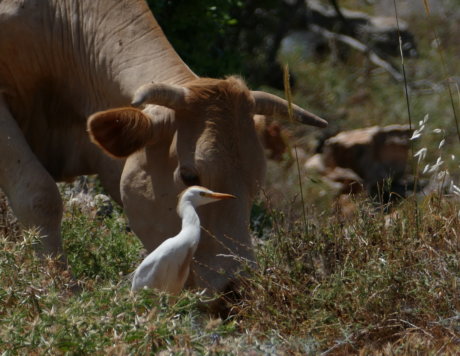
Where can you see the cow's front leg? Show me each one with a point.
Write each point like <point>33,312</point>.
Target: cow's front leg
<point>31,191</point>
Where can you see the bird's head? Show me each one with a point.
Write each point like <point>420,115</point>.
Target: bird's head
<point>198,196</point>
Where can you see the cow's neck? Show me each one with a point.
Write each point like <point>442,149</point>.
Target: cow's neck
<point>127,48</point>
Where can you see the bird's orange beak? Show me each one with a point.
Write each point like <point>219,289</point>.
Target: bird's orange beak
<point>221,196</point>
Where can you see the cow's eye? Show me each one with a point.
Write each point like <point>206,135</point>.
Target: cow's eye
<point>189,179</point>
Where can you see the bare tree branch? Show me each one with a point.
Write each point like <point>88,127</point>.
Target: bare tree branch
<point>359,46</point>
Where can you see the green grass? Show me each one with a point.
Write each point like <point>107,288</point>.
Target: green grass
<point>44,310</point>
<point>99,248</point>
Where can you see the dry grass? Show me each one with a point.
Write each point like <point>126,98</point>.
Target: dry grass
<point>368,284</point>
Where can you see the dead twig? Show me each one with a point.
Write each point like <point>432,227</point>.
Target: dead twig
<point>361,47</point>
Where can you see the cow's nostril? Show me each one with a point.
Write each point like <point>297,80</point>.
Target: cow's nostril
<point>189,179</point>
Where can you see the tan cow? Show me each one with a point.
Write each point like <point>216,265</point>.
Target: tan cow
<point>63,60</point>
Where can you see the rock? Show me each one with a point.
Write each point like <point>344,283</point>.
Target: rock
<point>82,201</point>
<point>99,205</point>
<point>303,43</point>
<point>350,182</point>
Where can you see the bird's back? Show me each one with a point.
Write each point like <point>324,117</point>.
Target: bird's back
<point>166,268</point>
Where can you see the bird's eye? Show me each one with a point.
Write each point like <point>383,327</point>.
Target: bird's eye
<point>189,179</point>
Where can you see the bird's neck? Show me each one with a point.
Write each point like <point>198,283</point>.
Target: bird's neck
<point>190,220</point>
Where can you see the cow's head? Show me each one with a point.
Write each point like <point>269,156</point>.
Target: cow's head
<point>201,133</point>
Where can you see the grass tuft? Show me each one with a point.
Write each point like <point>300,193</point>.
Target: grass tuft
<point>367,283</point>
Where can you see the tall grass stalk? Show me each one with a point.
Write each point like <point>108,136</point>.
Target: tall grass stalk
<point>445,72</point>
<point>287,89</point>
<point>409,116</point>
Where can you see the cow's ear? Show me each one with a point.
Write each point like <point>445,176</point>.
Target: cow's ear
<point>120,132</point>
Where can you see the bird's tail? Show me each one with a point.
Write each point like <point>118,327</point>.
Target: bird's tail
<point>129,277</point>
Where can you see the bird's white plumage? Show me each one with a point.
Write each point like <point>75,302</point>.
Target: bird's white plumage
<point>168,266</point>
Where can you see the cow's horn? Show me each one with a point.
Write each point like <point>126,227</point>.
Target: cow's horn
<point>168,95</point>
<point>268,104</point>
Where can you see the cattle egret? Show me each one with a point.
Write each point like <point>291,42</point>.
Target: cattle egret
<point>168,266</point>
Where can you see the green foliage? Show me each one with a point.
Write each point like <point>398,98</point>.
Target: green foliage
<point>45,310</point>
<point>99,247</point>
<point>260,220</point>
<point>199,31</point>
<point>222,37</point>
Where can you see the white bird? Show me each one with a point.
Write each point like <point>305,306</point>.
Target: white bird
<point>168,266</point>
